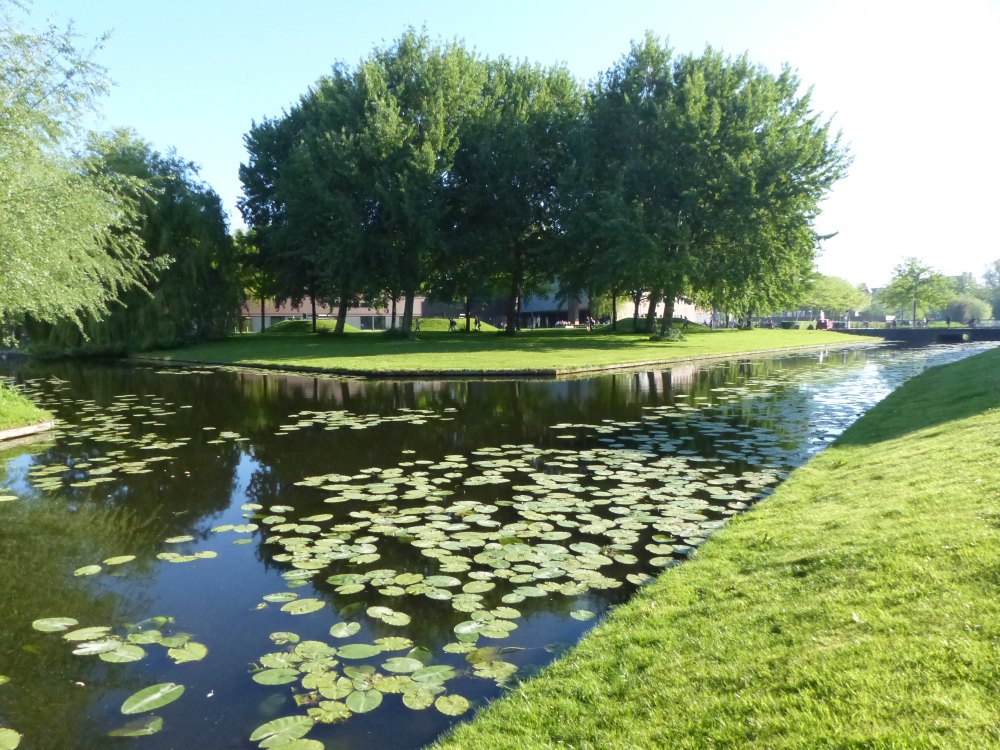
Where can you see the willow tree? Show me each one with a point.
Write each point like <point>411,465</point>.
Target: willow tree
<point>68,243</point>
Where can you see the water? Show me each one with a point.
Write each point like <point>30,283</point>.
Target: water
<point>380,557</point>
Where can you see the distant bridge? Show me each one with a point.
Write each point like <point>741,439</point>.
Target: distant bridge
<point>922,336</point>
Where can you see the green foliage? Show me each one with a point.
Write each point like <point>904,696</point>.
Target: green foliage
<point>915,289</point>
<point>963,309</point>
<point>299,327</point>
<point>196,292</point>
<point>68,244</point>
<point>833,295</point>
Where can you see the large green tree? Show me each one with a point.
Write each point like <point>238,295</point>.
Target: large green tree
<point>915,287</point>
<point>195,293</point>
<point>68,243</point>
<point>832,295</point>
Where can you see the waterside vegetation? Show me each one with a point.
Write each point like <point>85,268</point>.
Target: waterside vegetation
<point>856,607</point>
<point>17,411</point>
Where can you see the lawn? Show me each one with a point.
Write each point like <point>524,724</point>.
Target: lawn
<point>17,411</point>
<point>857,607</point>
<point>542,352</point>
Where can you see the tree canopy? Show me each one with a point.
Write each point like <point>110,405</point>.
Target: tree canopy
<point>428,169</point>
<point>68,242</point>
<point>916,287</point>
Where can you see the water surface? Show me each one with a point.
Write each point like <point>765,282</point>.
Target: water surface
<point>370,561</point>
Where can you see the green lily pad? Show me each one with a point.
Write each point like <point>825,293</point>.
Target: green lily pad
<point>9,739</point>
<point>190,651</point>
<point>582,614</point>
<point>345,629</point>
<point>54,624</point>
<point>142,727</point>
<point>281,676</point>
<point>363,701</point>
<point>358,651</point>
<point>402,664</point>
<point>451,705</point>
<point>279,732</point>
<point>87,634</point>
<point>152,698</point>
<point>329,712</point>
<point>123,653</point>
<point>303,606</point>
<point>418,699</point>
<point>120,560</point>
<point>282,637</point>
<point>87,570</point>
<point>435,674</point>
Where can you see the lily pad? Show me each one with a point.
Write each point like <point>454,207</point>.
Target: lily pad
<point>9,739</point>
<point>54,624</point>
<point>281,676</point>
<point>451,705</point>
<point>363,701</point>
<point>190,651</point>
<point>139,727</point>
<point>282,731</point>
<point>358,651</point>
<point>303,606</point>
<point>152,698</point>
<point>88,570</point>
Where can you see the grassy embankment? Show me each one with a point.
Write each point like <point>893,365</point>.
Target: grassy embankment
<point>541,352</point>
<point>857,607</point>
<point>17,411</point>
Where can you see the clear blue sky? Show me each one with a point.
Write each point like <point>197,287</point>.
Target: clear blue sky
<point>912,85</point>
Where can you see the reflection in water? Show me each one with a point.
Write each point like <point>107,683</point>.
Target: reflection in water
<point>445,538</point>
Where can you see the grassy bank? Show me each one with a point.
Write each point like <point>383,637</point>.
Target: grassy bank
<point>543,352</point>
<point>17,411</point>
<point>859,606</point>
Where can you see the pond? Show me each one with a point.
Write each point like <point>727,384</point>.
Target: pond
<point>226,559</point>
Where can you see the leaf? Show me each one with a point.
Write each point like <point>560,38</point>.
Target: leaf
<point>282,731</point>
<point>190,651</point>
<point>276,676</point>
<point>582,615</point>
<point>87,570</point>
<point>123,653</point>
<point>139,727</point>
<point>418,699</point>
<point>402,664</point>
<point>363,701</point>
<point>435,674</point>
<point>152,697</point>
<point>452,705</point>
<point>303,606</point>
<point>120,560</point>
<point>54,624</point>
<point>345,629</point>
<point>87,634</point>
<point>9,739</point>
<point>358,651</point>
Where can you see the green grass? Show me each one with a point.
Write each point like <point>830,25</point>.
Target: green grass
<point>544,352</point>
<point>857,607</point>
<point>293,327</point>
<point>441,324</point>
<point>17,411</point>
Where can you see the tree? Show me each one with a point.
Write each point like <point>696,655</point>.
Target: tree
<point>917,286</point>
<point>965,308</point>
<point>195,293</point>
<point>503,188</point>
<point>68,243</point>
<point>832,295</point>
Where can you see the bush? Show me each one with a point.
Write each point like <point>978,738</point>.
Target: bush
<point>671,334</point>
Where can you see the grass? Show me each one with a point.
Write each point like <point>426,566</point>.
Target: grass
<point>857,607</point>
<point>542,352</point>
<point>17,411</point>
<point>292,327</point>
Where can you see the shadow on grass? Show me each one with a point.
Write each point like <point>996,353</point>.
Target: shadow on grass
<point>940,395</point>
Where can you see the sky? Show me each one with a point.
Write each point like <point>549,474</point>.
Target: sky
<point>911,86</point>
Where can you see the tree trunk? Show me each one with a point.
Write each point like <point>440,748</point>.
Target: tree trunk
<point>668,312</point>
<point>407,313</point>
<point>341,316</point>
<point>654,300</point>
<point>312,302</point>
<point>614,311</point>
<point>392,320</point>
<point>468,309</point>
<point>262,313</point>
<point>636,301</point>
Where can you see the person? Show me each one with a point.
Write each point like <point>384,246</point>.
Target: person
<point>947,320</point>
<point>416,324</point>
<point>925,321</point>
<point>452,325</point>
<point>478,324</point>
